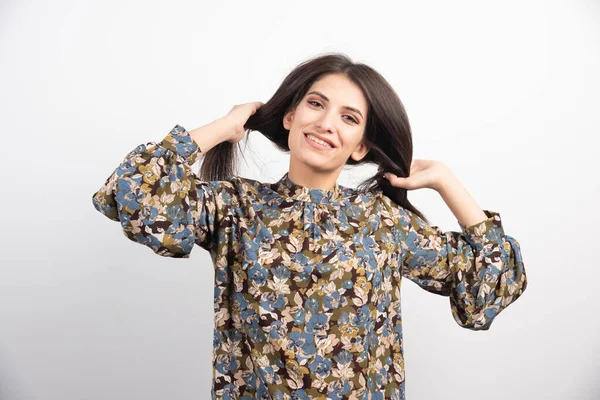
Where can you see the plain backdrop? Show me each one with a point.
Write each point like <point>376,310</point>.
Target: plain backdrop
<point>506,94</point>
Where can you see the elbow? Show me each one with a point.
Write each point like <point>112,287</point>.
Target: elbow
<point>501,280</point>
<point>163,227</point>
<point>482,320</point>
<point>477,320</point>
<point>165,244</point>
<point>104,203</point>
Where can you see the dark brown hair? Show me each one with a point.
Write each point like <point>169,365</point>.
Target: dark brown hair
<point>387,131</point>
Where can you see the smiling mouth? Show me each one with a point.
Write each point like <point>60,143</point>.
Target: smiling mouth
<point>317,141</point>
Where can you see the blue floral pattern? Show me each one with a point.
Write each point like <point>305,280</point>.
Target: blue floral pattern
<point>307,281</point>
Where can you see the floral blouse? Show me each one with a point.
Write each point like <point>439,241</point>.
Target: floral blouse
<point>307,281</point>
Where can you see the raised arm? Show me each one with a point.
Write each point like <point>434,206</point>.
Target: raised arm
<point>480,268</point>
<point>159,200</point>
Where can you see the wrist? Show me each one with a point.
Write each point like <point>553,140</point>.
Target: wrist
<point>446,181</point>
<point>210,135</point>
<point>226,128</point>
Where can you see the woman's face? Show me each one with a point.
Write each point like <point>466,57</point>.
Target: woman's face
<point>335,110</point>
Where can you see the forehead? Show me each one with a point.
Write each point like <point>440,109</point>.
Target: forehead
<point>341,91</point>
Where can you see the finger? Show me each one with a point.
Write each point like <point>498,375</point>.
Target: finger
<point>256,106</point>
<point>391,177</point>
<point>397,181</point>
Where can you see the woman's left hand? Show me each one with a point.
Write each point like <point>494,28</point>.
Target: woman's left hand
<point>423,174</point>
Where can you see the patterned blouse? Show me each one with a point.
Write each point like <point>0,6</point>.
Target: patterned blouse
<point>307,281</point>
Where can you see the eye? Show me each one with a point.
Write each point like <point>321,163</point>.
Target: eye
<point>311,102</point>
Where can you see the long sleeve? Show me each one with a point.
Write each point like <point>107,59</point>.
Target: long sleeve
<point>480,268</point>
<point>159,200</point>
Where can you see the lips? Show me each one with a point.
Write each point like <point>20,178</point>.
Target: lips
<point>320,137</point>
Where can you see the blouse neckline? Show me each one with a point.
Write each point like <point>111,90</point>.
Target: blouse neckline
<point>287,188</point>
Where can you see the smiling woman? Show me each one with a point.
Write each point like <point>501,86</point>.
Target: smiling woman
<point>312,123</point>
<point>307,272</point>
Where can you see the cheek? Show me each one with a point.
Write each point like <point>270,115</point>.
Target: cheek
<point>354,140</point>
<point>294,139</point>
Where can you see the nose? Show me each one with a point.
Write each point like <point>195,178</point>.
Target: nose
<point>324,122</point>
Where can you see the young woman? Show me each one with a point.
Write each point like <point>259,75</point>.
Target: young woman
<point>308,272</point>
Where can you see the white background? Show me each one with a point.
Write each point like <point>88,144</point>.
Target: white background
<point>506,94</point>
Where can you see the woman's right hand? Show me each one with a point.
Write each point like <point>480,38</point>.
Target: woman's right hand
<point>238,116</point>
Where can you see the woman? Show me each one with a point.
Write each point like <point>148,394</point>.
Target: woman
<point>308,272</point>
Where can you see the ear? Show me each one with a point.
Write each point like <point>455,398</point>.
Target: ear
<point>360,152</point>
<point>288,118</point>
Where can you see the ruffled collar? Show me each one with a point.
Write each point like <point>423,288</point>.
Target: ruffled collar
<point>286,188</point>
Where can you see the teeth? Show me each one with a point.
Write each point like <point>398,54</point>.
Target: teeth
<point>314,139</point>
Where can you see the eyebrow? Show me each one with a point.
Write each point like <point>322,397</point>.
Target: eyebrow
<point>356,110</point>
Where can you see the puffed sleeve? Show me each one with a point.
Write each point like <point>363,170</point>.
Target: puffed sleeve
<point>161,203</point>
<point>480,268</point>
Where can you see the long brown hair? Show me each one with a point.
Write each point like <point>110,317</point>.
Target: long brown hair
<point>387,130</point>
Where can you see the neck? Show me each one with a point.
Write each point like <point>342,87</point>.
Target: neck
<point>305,176</point>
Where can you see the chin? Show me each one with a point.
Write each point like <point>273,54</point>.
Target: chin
<point>318,167</point>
